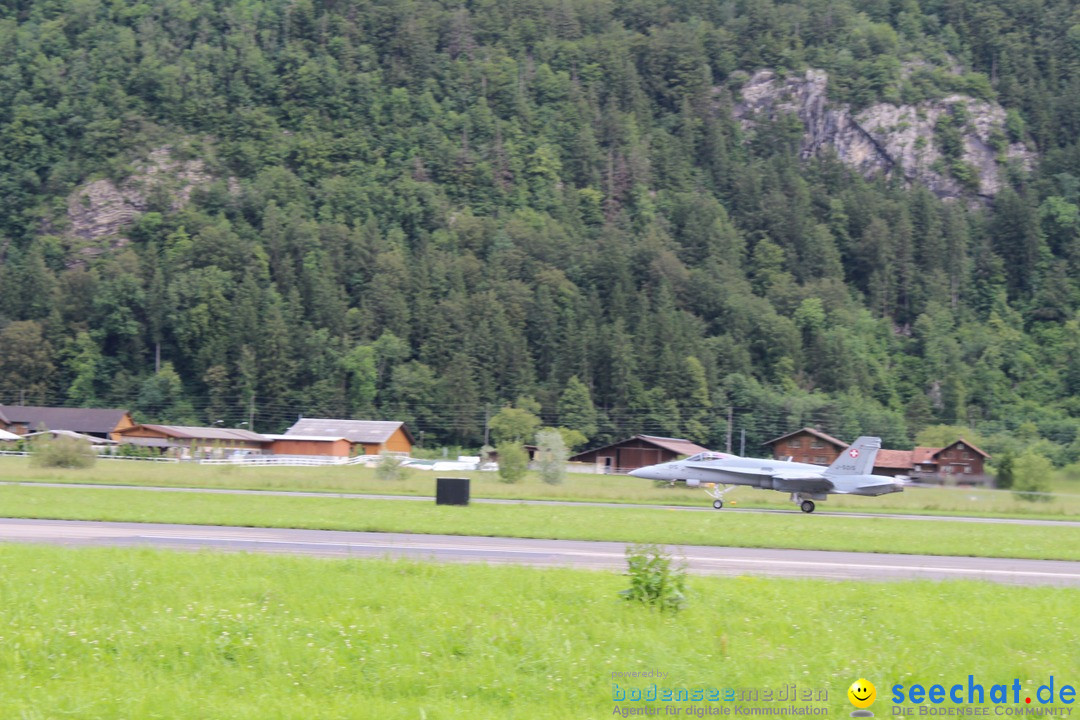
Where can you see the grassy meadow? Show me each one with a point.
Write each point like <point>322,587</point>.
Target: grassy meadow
<point>584,487</point>
<point>117,633</point>
<point>579,522</point>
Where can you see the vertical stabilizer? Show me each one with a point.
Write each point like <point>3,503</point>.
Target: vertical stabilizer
<point>858,459</point>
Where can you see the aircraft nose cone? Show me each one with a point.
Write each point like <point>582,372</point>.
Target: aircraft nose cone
<point>644,472</point>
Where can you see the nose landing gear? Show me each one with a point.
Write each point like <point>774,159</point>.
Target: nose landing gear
<point>717,494</point>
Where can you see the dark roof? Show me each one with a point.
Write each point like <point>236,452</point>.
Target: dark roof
<point>816,433</point>
<point>84,420</point>
<point>679,446</point>
<point>675,445</point>
<point>967,445</point>
<point>356,431</point>
<point>189,432</point>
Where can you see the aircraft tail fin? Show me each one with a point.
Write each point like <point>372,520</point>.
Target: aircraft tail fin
<point>857,459</point>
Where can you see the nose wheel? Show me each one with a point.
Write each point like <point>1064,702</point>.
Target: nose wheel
<point>807,506</point>
<point>716,492</point>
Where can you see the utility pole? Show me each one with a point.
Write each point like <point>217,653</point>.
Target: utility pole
<point>742,443</point>
<point>730,419</point>
<point>251,412</point>
<point>487,430</point>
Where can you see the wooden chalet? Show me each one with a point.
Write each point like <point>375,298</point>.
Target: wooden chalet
<point>807,446</point>
<point>961,462</point>
<point>637,452</point>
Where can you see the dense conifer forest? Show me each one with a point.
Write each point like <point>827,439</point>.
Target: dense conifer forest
<point>427,210</point>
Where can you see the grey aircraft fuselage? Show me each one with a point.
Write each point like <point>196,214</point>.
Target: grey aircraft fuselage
<point>848,475</point>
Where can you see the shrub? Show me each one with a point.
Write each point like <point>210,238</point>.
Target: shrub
<point>654,581</point>
<point>62,452</point>
<point>1006,474</point>
<point>391,467</point>
<point>551,456</point>
<point>1031,477</point>
<point>513,461</point>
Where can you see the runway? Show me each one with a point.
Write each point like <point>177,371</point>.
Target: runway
<point>544,553</point>
<point>823,509</point>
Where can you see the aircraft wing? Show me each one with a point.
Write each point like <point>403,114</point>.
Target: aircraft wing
<point>801,483</point>
<point>764,477</point>
<point>721,472</point>
<point>867,485</point>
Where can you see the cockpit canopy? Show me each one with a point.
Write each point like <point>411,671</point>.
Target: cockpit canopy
<point>705,456</point>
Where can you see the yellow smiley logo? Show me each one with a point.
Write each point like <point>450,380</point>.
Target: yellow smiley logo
<point>862,693</point>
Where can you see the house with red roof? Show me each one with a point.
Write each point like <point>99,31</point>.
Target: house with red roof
<point>960,462</point>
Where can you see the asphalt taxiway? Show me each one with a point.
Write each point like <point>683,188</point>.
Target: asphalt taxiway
<point>547,553</point>
<point>823,510</point>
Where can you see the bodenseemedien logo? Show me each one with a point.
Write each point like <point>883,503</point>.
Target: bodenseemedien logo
<point>862,695</point>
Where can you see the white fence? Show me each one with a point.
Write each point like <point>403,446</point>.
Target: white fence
<point>287,460</point>
<point>245,461</point>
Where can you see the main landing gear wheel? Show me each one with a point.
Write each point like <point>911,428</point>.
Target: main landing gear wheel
<point>807,506</point>
<point>718,504</point>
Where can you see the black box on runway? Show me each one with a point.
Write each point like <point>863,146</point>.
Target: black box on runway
<point>451,491</point>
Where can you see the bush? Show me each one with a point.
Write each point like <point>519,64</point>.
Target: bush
<point>391,467</point>
<point>62,452</point>
<point>513,461</point>
<point>1031,477</point>
<point>654,581</point>
<point>551,456</point>
<point>1006,474</point>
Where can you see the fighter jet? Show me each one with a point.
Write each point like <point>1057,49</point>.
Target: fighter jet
<point>850,474</point>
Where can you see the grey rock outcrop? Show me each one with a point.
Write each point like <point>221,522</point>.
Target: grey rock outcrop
<point>101,209</point>
<point>885,138</point>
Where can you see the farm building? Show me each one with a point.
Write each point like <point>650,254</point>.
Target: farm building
<point>960,462</point>
<point>194,440</point>
<point>636,452</point>
<point>98,422</point>
<point>309,445</point>
<point>807,445</point>
<point>368,437</point>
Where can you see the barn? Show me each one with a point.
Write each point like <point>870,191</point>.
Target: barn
<point>309,445</point>
<point>211,441</point>
<point>636,452</point>
<point>807,446</point>
<point>368,437</point>
<point>103,423</point>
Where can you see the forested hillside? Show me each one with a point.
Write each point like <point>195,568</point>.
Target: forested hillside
<point>416,209</point>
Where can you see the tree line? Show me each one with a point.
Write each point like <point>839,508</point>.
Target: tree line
<point>421,210</point>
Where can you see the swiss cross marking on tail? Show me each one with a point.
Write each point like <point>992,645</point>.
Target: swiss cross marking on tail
<point>853,452</point>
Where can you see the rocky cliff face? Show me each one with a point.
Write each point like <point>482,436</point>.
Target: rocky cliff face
<point>99,211</point>
<point>886,138</point>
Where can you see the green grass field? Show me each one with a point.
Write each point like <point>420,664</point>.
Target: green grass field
<point>606,488</point>
<point>108,633</point>
<point>581,522</point>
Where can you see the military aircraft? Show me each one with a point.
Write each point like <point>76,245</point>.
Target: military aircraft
<point>850,474</point>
